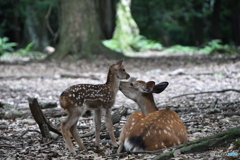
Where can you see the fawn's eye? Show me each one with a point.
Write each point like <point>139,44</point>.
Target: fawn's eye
<point>123,70</point>
<point>131,84</point>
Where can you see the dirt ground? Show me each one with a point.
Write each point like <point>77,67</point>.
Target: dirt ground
<point>203,114</point>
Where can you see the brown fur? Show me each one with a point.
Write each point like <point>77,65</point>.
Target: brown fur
<point>156,128</point>
<point>81,97</point>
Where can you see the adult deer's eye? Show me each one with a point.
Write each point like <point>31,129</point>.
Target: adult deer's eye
<point>131,84</point>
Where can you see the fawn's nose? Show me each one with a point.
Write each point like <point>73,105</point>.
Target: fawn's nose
<point>128,76</point>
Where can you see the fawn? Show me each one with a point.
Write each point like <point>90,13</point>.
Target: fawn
<point>81,97</point>
<point>153,129</point>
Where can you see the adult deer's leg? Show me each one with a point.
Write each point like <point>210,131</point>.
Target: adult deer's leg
<point>109,126</point>
<point>97,123</point>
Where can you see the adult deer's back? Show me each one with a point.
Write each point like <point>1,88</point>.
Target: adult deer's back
<point>153,129</point>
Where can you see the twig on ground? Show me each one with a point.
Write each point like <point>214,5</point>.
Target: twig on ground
<point>28,130</point>
<point>220,91</point>
<point>47,143</point>
<point>7,146</point>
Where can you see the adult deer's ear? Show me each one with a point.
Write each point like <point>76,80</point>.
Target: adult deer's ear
<point>118,64</point>
<point>149,86</point>
<point>160,87</point>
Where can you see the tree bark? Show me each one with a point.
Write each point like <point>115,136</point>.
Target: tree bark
<point>107,16</point>
<point>35,28</point>
<point>80,31</point>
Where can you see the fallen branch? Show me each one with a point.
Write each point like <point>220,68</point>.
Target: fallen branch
<point>220,91</point>
<point>25,132</point>
<point>42,122</point>
<point>207,143</point>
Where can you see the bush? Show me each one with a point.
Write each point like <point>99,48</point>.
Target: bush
<point>6,46</point>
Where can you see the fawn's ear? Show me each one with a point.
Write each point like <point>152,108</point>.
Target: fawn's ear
<point>118,64</point>
<point>149,86</point>
<point>160,87</point>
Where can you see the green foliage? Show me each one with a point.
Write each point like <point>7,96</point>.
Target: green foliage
<point>238,143</point>
<point>112,44</point>
<point>185,22</point>
<point>180,48</point>
<point>215,46</point>
<point>6,46</point>
<point>138,43</point>
<point>26,50</point>
<point>141,43</point>
<point>211,47</point>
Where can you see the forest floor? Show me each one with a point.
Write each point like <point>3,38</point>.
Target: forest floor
<point>203,114</point>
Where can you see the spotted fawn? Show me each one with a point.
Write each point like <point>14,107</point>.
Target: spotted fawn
<point>100,98</point>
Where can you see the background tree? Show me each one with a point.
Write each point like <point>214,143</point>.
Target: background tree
<point>80,31</point>
<point>77,27</point>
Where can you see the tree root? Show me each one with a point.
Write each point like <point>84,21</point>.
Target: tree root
<point>206,143</point>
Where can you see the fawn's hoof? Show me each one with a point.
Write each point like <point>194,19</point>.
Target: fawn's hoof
<point>114,144</point>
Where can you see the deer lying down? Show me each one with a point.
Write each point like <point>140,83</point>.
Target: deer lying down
<point>153,129</point>
<point>81,97</point>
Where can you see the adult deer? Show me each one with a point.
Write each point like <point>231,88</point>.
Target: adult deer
<point>81,97</point>
<point>153,129</point>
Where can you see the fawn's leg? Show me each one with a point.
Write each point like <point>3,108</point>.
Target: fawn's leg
<point>72,118</point>
<point>97,123</point>
<point>121,142</point>
<point>76,136</point>
<point>109,126</point>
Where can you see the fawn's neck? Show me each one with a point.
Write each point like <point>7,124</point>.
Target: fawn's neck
<point>112,82</point>
<point>146,103</point>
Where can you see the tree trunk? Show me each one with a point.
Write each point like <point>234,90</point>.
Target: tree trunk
<point>80,31</point>
<point>198,26</point>
<point>216,33</point>
<point>107,17</point>
<point>35,28</point>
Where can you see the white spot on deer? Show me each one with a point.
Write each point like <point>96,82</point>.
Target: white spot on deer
<point>156,145</point>
<point>179,142</point>
<point>162,144</point>
<point>165,131</point>
<point>168,128</point>
<point>149,133</point>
